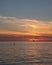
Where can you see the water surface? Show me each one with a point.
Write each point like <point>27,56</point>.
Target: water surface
<point>25,53</point>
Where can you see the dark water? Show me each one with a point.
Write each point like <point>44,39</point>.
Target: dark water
<point>25,53</point>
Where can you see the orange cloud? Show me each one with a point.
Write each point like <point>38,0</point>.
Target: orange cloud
<point>13,32</point>
<point>13,25</point>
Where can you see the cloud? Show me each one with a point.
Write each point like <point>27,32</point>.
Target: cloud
<point>5,17</point>
<point>35,27</point>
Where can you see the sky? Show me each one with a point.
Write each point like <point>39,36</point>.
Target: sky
<point>26,17</point>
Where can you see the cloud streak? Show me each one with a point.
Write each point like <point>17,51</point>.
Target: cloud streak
<point>5,17</point>
<point>30,26</point>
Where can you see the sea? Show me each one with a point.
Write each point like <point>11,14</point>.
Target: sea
<point>25,53</point>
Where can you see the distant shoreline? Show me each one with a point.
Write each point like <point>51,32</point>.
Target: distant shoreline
<point>24,41</point>
<point>25,38</point>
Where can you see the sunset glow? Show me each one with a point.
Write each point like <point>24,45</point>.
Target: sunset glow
<point>31,20</point>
